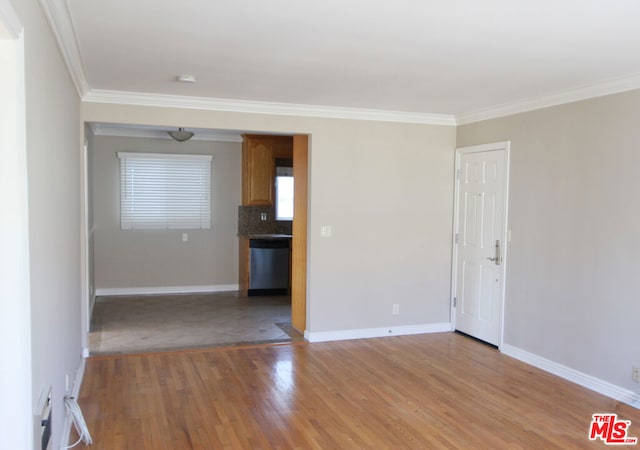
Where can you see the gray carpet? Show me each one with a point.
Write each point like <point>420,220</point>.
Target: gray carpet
<point>137,324</point>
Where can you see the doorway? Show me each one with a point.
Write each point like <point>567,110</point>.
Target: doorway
<point>220,293</point>
<point>480,237</point>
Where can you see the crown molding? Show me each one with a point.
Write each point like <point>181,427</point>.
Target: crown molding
<point>59,19</point>
<point>148,132</point>
<point>258,107</point>
<point>585,92</point>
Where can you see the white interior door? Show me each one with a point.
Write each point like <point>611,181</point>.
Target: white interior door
<point>480,240</point>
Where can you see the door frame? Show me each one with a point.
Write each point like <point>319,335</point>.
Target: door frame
<point>506,233</point>
<point>299,242</point>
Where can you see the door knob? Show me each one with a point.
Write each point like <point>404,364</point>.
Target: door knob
<point>496,259</point>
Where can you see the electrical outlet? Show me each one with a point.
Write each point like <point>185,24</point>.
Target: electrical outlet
<point>185,237</point>
<point>263,216</point>
<point>636,374</point>
<point>396,309</point>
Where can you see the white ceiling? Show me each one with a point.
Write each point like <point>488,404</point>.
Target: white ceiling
<point>455,57</point>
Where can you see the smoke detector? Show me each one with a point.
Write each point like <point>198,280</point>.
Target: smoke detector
<point>187,78</point>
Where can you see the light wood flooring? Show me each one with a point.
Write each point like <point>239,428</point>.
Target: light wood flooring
<point>405,392</point>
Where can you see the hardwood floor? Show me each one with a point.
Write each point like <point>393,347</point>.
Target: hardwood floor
<point>422,391</point>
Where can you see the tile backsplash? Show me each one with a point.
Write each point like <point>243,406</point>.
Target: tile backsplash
<point>249,221</point>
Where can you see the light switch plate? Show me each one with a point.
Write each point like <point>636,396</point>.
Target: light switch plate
<point>325,231</point>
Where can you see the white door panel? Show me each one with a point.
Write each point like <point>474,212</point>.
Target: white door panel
<point>480,227</point>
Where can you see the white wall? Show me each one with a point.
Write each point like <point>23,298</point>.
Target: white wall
<point>15,329</point>
<point>572,294</point>
<point>53,168</point>
<point>387,191</point>
<point>159,258</point>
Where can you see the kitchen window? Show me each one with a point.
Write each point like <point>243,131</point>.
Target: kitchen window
<point>165,191</point>
<point>284,193</point>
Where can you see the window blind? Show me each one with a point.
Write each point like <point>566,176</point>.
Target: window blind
<point>164,191</point>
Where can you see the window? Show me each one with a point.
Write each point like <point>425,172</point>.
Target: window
<point>284,193</point>
<point>164,191</point>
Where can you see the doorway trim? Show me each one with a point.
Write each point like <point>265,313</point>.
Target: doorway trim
<point>506,233</point>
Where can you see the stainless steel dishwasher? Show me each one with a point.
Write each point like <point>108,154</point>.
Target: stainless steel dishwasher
<point>268,266</point>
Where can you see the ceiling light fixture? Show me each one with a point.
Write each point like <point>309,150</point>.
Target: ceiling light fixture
<point>181,135</point>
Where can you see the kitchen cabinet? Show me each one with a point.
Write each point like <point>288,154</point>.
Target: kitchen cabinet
<point>283,147</point>
<point>258,166</point>
<point>257,170</point>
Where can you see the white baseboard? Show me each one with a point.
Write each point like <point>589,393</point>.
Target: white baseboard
<point>168,290</point>
<point>590,382</point>
<point>364,333</point>
<point>75,392</point>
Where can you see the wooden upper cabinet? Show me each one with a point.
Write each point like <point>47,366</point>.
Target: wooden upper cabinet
<point>259,153</point>
<point>283,147</point>
<point>257,170</point>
